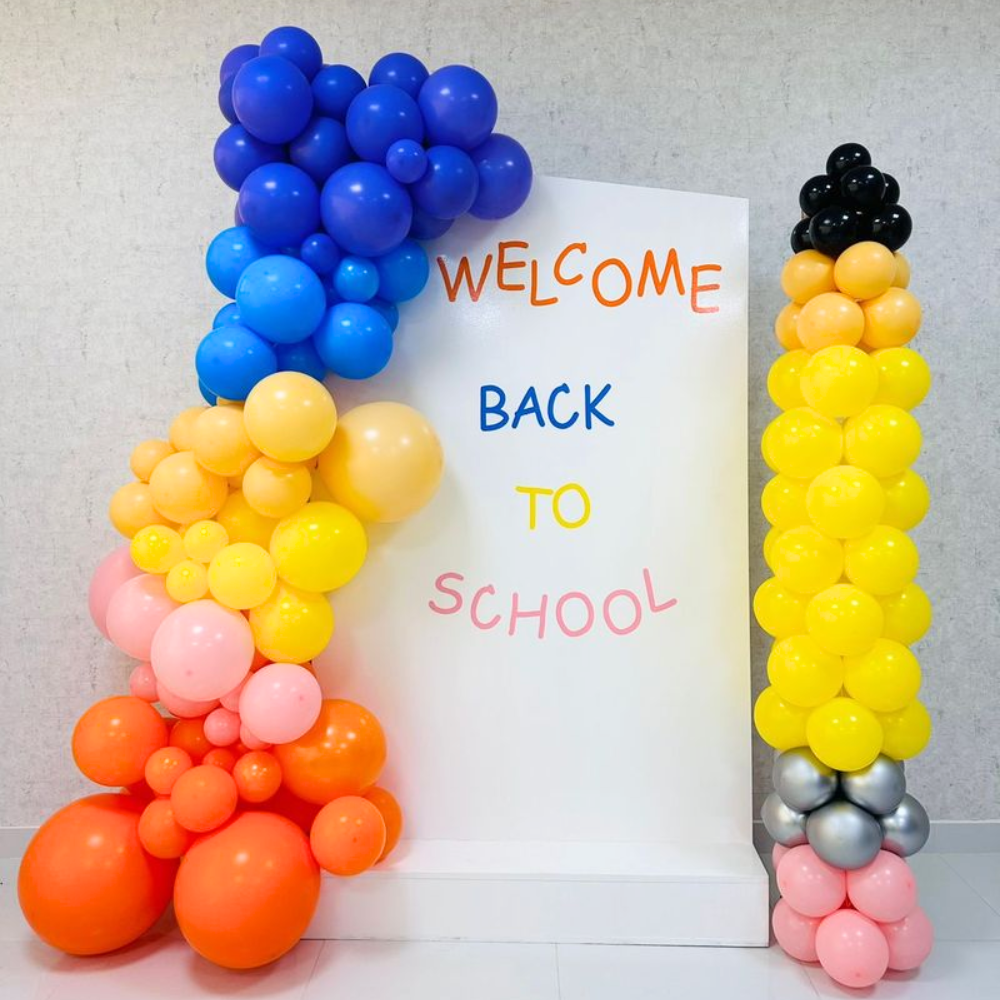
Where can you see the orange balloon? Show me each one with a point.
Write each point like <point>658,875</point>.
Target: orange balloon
<point>392,815</point>
<point>160,833</point>
<point>246,893</point>
<point>223,757</point>
<point>86,886</point>
<point>114,738</point>
<point>348,835</point>
<point>300,812</point>
<point>258,776</point>
<point>189,735</point>
<point>165,766</point>
<point>343,754</point>
<point>141,791</point>
<point>203,798</point>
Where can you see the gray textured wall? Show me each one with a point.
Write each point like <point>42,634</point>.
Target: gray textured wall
<point>108,199</point>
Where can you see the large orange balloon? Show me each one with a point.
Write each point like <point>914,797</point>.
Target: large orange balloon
<point>392,814</point>
<point>348,835</point>
<point>343,754</point>
<point>115,737</point>
<point>246,893</point>
<point>86,886</point>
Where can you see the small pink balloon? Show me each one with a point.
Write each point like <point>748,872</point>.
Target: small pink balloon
<point>810,885</point>
<point>280,702</point>
<point>202,650</point>
<point>884,889</point>
<point>112,571</point>
<point>250,741</point>
<point>795,932</point>
<point>135,612</point>
<point>910,940</point>
<point>142,683</point>
<point>852,949</point>
<point>222,727</point>
<point>777,853</point>
<point>231,699</point>
<point>183,708</point>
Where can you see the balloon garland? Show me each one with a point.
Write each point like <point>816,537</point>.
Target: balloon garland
<point>253,509</point>
<point>842,605</point>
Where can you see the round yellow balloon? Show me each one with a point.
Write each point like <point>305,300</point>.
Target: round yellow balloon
<point>221,443</point>
<point>779,611</point>
<point>290,417</point>
<point>907,614</point>
<point>844,619</point>
<point>890,319</point>
<point>845,501</point>
<point>292,626</point>
<point>785,327</point>
<point>783,380</point>
<point>828,319</point>
<point>243,523</point>
<point>187,581</point>
<point>146,456</point>
<point>801,443</point>
<point>882,439</point>
<point>902,279</point>
<point>806,275</point>
<point>320,547</point>
<point>203,539</point>
<point>781,724</point>
<point>844,734</point>
<point>131,509</point>
<point>865,270</point>
<point>839,381</point>
<point>904,378</point>
<point>183,491</point>
<point>905,733</point>
<point>882,562</point>
<point>886,678</point>
<point>807,561</point>
<point>155,549</point>
<point>907,500</point>
<point>241,576</point>
<point>275,489</point>
<point>783,501</point>
<point>768,547</point>
<point>803,673</point>
<point>182,429</point>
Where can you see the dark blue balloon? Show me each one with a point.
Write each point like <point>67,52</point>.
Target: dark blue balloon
<point>365,210</point>
<point>272,98</point>
<point>459,107</point>
<point>231,360</point>
<point>334,87</point>
<point>207,394</point>
<point>321,149</point>
<point>380,116</point>
<point>406,161</point>
<point>229,313</point>
<point>300,357</point>
<point>235,58</point>
<point>505,174</point>
<point>449,185</point>
<point>401,70</point>
<point>280,298</point>
<point>297,46</point>
<point>229,254</point>
<point>402,272</point>
<point>332,295</point>
<point>353,340</point>
<point>280,204</point>
<point>320,253</point>
<point>389,311</point>
<point>238,154</point>
<point>426,227</point>
<point>226,100</point>
<point>356,279</point>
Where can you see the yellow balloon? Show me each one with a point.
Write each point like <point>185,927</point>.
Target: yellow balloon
<point>783,501</point>
<point>779,612</point>
<point>882,439</point>
<point>131,509</point>
<point>221,443</point>
<point>146,456</point>
<point>845,501</point>
<point>768,547</point>
<point>902,279</point>
<point>155,549</point>
<point>890,319</point>
<point>803,673</point>
<point>243,523</point>
<point>183,491</point>
<point>784,327</point>
<point>289,416</point>
<point>320,547</point>
<point>806,275</point>
<point>187,581</point>
<point>828,319</point>
<point>904,378</point>
<point>780,724</point>
<point>292,626</point>
<point>182,429</point>
<point>801,443</point>
<point>384,463</point>
<point>839,381</point>
<point>275,489</point>
<point>783,380</point>
<point>907,614</point>
<point>907,500</point>
<point>203,539</point>
<point>865,270</point>
<point>882,562</point>
<point>241,576</point>
<point>906,732</point>
<point>844,734</point>
<point>844,619</point>
<point>807,561</point>
<point>886,678</point>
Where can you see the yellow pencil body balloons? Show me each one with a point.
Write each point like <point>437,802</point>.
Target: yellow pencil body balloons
<point>845,501</point>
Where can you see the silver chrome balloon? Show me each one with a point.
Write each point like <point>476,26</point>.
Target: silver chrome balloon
<point>879,787</point>
<point>785,825</point>
<point>906,829</point>
<point>844,835</point>
<point>802,780</point>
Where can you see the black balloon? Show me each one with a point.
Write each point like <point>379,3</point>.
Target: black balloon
<point>891,226</point>
<point>850,154</point>
<point>864,222</point>
<point>863,187</point>
<point>891,190</point>
<point>817,193</point>
<point>800,237</point>
<point>834,229</point>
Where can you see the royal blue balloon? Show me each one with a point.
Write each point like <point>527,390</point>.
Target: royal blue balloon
<point>231,360</point>
<point>272,98</point>
<point>365,210</point>
<point>320,253</point>
<point>229,254</point>
<point>356,279</point>
<point>229,313</point>
<point>426,227</point>
<point>300,357</point>
<point>280,298</point>
<point>207,394</point>
<point>297,46</point>
<point>403,272</point>
<point>354,340</point>
<point>226,100</point>
<point>389,311</point>
<point>449,185</point>
<point>380,116</point>
<point>334,87</point>
<point>505,174</point>
<point>401,70</point>
<point>238,154</point>
<point>332,295</point>
<point>406,161</point>
<point>235,58</point>
<point>459,107</point>
<point>280,204</point>
<point>321,149</point>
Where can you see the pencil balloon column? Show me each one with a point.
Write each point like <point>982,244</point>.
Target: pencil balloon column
<point>232,778</point>
<point>842,708</point>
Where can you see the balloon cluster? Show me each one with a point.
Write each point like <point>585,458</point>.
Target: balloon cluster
<point>339,181</point>
<point>842,605</point>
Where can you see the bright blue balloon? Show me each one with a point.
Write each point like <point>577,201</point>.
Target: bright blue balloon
<point>320,253</point>
<point>505,173</point>
<point>450,184</point>
<point>229,313</point>
<point>403,272</point>
<point>459,107</point>
<point>272,98</point>
<point>238,154</point>
<point>389,311</point>
<point>426,227</point>
<point>321,149</point>
<point>231,360</point>
<point>334,87</point>
<point>235,58</point>
<point>228,256</point>
<point>280,298</point>
<point>280,204</point>
<point>356,279</point>
<point>365,210</point>
<point>406,161</point>
<point>297,46</point>
<point>380,116</point>
<point>300,357</point>
<point>226,100</point>
<point>401,70</point>
<point>354,340</point>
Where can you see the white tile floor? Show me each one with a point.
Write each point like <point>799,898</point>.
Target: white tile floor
<point>961,892</point>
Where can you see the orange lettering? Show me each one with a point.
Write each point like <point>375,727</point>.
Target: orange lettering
<point>535,301</point>
<point>697,289</point>
<point>504,265</point>
<point>595,282</point>
<point>660,280</point>
<point>557,267</point>
<point>463,273</point>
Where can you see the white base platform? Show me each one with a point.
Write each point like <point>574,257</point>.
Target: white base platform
<point>565,893</point>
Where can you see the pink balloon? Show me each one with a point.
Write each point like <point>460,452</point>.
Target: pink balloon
<point>183,708</point>
<point>222,727</point>
<point>136,610</point>
<point>142,683</point>
<point>231,699</point>
<point>910,940</point>
<point>202,650</point>
<point>112,571</point>
<point>884,889</point>
<point>852,949</point>
<point>810,885</point>
<point>795,932</point>
<point>250,741</point>
<point>280,702</point>
<point>777,853</point>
